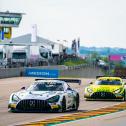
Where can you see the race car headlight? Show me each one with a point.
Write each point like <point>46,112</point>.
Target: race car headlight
<point>15,98</point>
<point>117,91</point>
<point>89,90</point>
<point>53,99</point>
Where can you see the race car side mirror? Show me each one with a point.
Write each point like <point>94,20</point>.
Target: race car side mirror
<point>91,83</point>
<point>23,88</point>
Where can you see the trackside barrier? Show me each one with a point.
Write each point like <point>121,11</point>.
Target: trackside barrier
<point>31,72</point>
<point>64,71</point>
<point>11,72</point>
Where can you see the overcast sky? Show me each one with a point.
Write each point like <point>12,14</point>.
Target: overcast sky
<point>97,22</point>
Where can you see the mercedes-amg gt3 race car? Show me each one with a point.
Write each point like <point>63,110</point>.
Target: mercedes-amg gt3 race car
<point>45,95</point>
<point>106,88</point>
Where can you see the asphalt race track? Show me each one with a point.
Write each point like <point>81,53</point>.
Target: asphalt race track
<point>9,85</point>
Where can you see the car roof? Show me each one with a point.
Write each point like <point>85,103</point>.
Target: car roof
<point>110,78</point>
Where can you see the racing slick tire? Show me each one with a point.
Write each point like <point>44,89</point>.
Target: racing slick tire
<point>12,110</point>
<point>77,102</point>
<point>124,96</point>
<point>63,109</point>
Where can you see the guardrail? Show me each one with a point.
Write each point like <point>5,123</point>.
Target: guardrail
<point>81,66</point>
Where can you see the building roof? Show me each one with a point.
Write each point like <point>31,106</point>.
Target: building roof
<point>27,39</point>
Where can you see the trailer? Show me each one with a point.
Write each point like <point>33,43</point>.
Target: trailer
<point>19,56</point>
<point>39,56</point>
<point>45,56</point>
<point>58,52</point>
<point>3,57</point>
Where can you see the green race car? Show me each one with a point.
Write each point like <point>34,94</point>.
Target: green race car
<point>106,88</point>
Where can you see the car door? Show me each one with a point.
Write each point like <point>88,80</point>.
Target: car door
<point>70,97</point>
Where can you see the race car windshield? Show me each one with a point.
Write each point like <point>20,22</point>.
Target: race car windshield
<point>46,86</point>
<point>108,82</point>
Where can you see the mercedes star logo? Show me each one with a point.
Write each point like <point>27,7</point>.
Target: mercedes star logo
<point>32,103</point>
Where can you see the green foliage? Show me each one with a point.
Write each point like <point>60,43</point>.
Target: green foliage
<point>104,59</point>
<point>73,62</point>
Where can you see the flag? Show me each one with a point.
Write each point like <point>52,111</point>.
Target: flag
<point>1,35</point>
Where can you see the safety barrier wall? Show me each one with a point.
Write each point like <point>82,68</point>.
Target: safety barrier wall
<point>74,71</point>
<point>86,72</point>
<point>11,72</point>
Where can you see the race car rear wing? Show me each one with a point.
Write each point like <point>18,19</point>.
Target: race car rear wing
<point>66,80</point>
<point>123,77</point>
<point>100,76</point>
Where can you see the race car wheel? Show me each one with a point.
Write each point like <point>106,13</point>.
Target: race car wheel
<point>63,105</point>
<point>12,110</point>
<point>124,96</point>
<point>77,102</point>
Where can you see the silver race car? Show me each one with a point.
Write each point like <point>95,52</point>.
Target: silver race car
<point>45,95</point>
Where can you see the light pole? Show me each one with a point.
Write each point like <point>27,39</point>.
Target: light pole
<point>109,72</point>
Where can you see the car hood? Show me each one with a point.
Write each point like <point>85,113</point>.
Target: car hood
<point>105,88</point>
<point>41,95</point>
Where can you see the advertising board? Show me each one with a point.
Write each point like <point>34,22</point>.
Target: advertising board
<point>31,72</point>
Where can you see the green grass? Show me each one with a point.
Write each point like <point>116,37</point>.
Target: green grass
<point>74,62</point>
